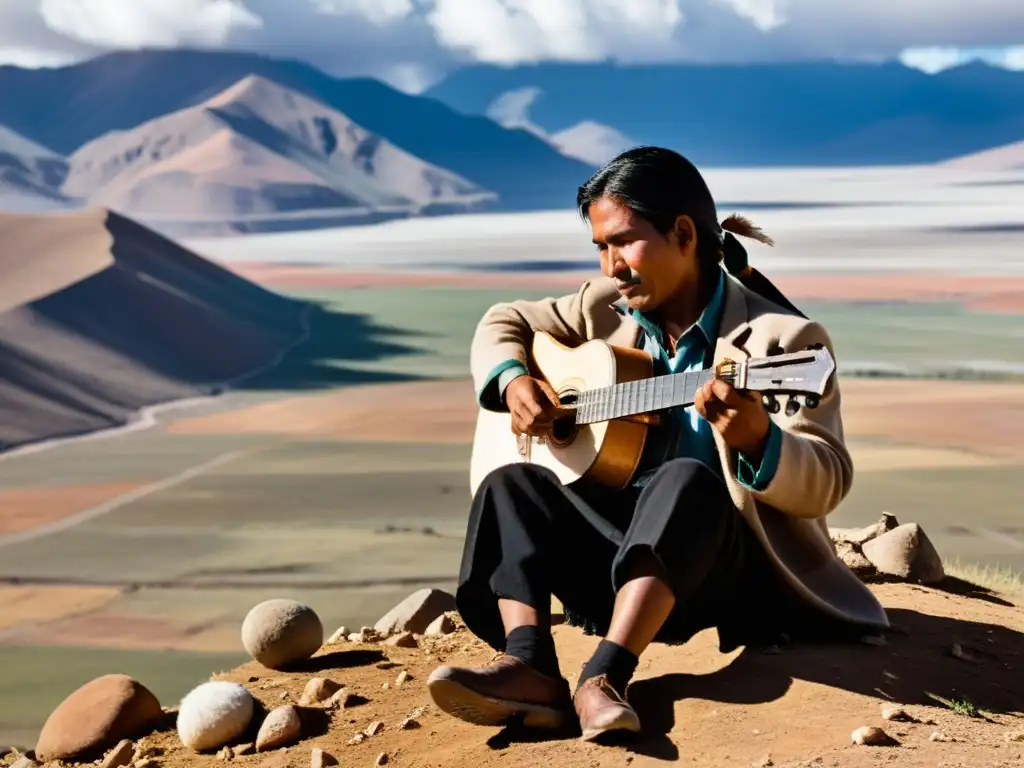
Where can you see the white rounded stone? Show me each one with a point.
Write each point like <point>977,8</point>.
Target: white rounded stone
<point>277,633</point>
<point>213,714</point>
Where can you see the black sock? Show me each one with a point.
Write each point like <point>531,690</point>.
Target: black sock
<point>612,660</point>
<point>536,647</point>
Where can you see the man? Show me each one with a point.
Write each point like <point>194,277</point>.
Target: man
<point>723,525</point>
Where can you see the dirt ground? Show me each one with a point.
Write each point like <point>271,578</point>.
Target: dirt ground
<point>408,412</point>
<point>33,605</point>
<point>796,706</point>
<point>27,508</point>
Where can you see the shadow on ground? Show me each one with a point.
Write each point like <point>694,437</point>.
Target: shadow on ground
<point>916,667</point>
<point>336,340</point>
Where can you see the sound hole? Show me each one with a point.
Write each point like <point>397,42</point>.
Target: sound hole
<point>563,431</point>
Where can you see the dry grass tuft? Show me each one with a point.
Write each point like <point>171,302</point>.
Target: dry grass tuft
<point>1000,579</point>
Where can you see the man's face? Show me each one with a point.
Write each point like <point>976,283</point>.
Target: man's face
<point>648,267</point>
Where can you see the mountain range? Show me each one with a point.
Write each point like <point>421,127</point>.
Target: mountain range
<point>196,141</point>
<point>799,114</point>
<point>259,151</point>
<point>64,108</point>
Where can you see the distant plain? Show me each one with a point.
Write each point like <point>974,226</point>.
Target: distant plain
<point>350,490</point>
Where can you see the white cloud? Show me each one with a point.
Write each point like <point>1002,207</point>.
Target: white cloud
<point>766,15</point>
<point>413,42</point>
<point>932,60</point>
<point>138,23</point>
<point>514,31</point>
<point>1013,57</point>
<point>33,58</point>
<point>377,11</point>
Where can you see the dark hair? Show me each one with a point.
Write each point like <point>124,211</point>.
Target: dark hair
<point>661,185</point>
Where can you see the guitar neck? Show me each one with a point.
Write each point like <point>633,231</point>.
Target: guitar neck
<point>644,396</point>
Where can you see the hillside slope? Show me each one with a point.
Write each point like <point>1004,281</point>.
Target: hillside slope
<point>100,317</point>
<point>258,149</point>
<point>791,707</point>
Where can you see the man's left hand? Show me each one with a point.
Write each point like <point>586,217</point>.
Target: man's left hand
<point>739,417</point>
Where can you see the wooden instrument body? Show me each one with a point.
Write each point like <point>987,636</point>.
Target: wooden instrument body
<point>606,452</point>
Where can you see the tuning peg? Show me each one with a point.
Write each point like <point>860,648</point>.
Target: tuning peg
<point>812,401</point>
<point>771,403</point>
<point>792,406</point>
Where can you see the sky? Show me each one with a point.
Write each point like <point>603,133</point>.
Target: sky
<point>413,43</point>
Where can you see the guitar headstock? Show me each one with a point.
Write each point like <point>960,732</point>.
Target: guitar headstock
<point>805,373</point>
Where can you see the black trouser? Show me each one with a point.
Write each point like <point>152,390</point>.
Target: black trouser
<point>530,537</point>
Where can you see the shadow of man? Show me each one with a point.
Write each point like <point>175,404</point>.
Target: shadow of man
<point>927,657</point>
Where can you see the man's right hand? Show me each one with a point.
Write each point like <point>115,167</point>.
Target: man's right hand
<point>533,405</point>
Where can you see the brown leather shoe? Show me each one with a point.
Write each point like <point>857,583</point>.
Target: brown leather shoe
<point>499,691</point>
<point>601,709</point>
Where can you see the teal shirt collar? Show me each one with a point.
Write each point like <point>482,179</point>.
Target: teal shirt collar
<point>709,321</point>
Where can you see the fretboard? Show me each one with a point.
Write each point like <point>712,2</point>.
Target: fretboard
<point>644,396</point>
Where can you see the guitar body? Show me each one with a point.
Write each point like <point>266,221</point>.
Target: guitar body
<point>605,452</point>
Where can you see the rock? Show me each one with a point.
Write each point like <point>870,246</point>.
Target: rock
<point>853,557</point>
<point>120,755</point>
<point>321,759</point>
<point>225,753</point>
<point>365,635</point>
<point>347,699</point>
<point>870,736</point>
<point>213,714</point>
<point>402,640</point>
<point>359,738</point>
<point>907,553</point>
<point>402,678</point>
<point>278,633</point>
<point>340,634</point>
<point>146,762</point>
<point>374,728</point>
<point>244,749</point>
<point>318,689</point>
<point>281,727</point>
<point>442,625</point>
<point>1015,736</point>
<point>24,762</point>
<point>385,686</point>
<point>895,713</point>
<point>142,752</point>
<point>96,717</point>
<point>940,736</point>
<point>382,758</point>
<point>409,724</point>
<point>416,612</point>
<point>764,762</point>
<point>861,536</point>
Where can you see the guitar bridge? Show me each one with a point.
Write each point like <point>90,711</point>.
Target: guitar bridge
<point>525,445</point>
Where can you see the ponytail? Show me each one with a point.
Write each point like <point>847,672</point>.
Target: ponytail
<point>737,264</point>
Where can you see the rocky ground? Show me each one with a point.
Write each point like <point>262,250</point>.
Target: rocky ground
<point>944,688</point>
